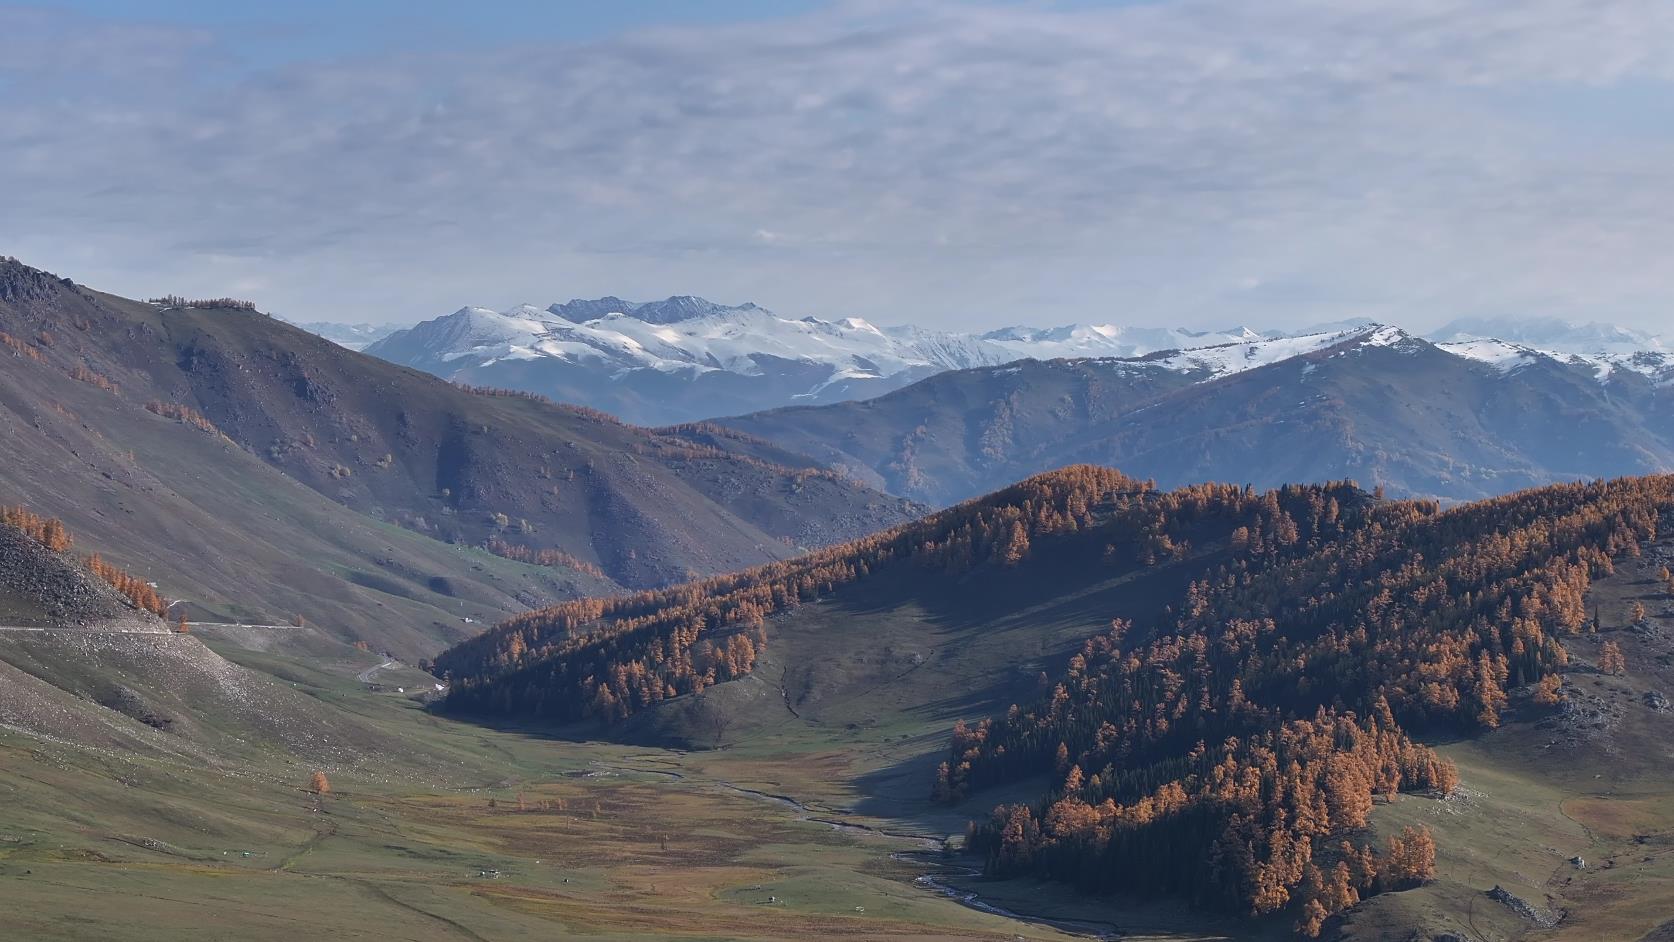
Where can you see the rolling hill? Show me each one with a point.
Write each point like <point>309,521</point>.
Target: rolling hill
<point>1455,421</point>
<point>263,473</point>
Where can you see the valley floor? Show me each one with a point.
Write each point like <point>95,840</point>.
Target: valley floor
<point>524,838</point>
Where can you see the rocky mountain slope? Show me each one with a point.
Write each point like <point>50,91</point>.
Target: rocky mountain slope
<point>1455,420</point>
<point>264,473</point>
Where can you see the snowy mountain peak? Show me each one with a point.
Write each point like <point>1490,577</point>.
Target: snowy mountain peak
<point>1212,362</point>
<point>1383,335</point>
<point>1507,357</point>
<point>686,357</point>
<point>856,323</point>
<point>529,311</point>
<point>1329,327</point>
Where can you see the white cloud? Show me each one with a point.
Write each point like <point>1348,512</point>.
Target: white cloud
<point>935,162</point>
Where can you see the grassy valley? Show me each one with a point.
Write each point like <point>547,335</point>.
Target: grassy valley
<point>792,801</point>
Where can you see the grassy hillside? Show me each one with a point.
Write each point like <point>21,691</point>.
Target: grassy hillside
<point>261,786</point>
<point>99,844</point>
<point>272,473</point>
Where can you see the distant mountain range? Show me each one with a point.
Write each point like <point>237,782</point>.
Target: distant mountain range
<point>1456,420</point>
<point>686,358</point>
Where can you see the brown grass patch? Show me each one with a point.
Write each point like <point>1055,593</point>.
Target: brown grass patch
<point>1620,818</point>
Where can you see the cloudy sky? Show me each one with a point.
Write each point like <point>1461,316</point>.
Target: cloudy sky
<point>956,164</point>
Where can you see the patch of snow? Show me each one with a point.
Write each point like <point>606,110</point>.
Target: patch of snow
<point>1498,354</point>
<point>1226,359</point>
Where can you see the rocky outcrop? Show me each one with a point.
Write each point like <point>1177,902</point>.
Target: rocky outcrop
<point>48,589</point>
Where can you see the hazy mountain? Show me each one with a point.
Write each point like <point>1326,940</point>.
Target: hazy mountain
<point>1554,334</point>
<point>352,336</point>
<point>1106,340</point>
<point>1376,404</point>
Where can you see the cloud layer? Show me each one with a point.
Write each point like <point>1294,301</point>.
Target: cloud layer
<point>1196,161</point>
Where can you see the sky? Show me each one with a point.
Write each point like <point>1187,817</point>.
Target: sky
<point>960,164</point>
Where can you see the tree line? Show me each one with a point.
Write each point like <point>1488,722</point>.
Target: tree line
<point>207,304</point>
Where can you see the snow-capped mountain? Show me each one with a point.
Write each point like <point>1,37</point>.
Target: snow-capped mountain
<point>742,340</point>
<point>1553,334</point>
<point>1506,357</point>
<point>682,358</point>
<point>1208,363</point>
<point>686,358</point>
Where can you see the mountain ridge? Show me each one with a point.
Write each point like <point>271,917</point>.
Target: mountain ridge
<point>1375,404</point>
<point>264,473</point>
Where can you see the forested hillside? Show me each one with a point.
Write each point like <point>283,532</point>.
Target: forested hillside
<point>1231,754</point>
<point>612,657</point>
<point>1224,742</point>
